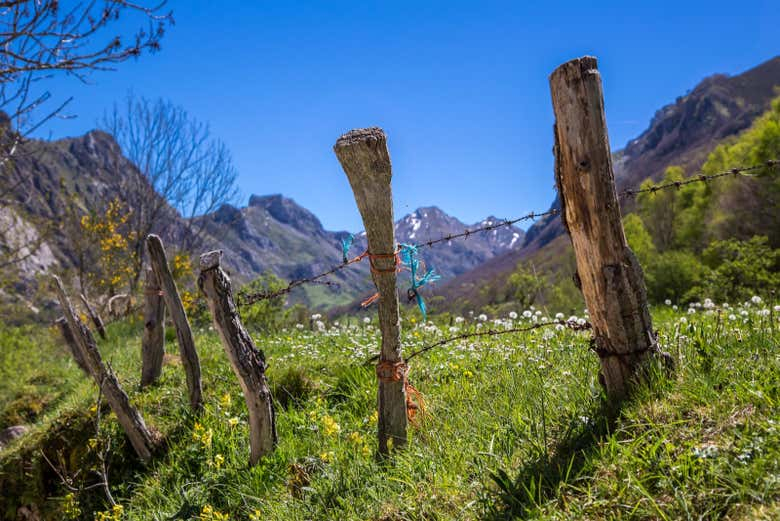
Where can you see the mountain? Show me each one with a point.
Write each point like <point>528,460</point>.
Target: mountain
<point>457,256</point>
<point>75,176</point>
<point>681,133</point>
<point>275,233</point>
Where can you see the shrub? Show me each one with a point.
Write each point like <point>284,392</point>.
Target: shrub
<point>671,275</point>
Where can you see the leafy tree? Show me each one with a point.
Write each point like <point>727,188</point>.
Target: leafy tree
<point>749,206</point>
<point>740,269</point>
<point>658,210</point>
<point>524,285</point>
<point>639,239</point>
<point>671,275</point>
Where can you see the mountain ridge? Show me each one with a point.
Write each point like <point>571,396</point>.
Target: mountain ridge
<point>681,133</point>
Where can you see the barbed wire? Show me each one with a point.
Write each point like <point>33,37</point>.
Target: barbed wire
<point>570,324</point>
<point>745,170</point>
<point>493,226</point>
<point>246,299</point>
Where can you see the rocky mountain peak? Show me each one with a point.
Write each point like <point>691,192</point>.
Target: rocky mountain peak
<point>287,211</point>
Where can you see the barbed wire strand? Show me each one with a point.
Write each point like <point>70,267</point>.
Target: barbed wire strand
<point>745,170</point>
<point>570,324</point>
<point>251,298</point>
<point>245,299</point>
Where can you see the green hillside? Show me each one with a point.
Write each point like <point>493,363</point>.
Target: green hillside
<point>513,426</point>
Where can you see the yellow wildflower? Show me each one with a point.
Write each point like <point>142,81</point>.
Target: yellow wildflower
<point>219,460</point>
<point>326,457</point>
<point>331,428</point>
<point>226,400</point>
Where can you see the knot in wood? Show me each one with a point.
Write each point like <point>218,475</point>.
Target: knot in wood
<point>387,371</point>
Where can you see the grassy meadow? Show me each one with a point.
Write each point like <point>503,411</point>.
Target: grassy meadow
<point>514,426</point>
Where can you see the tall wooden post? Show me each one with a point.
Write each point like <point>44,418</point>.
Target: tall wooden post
<point>247,361</point>
<point>128,416</point>
<point>153,339</point>
<point>610,276</point>
<point>365,159</point>
<point>189,356</point>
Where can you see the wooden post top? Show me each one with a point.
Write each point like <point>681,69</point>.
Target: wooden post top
<point>582,65</point>
<point>210,260</point>
<point>370,136</point>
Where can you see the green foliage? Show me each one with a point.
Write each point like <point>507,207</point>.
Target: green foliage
<point>525,285</point>
<point>671,275</point>
<point>704,235</point>
<point>265,315</point>
<point>513,428</point>
<point>658,209</point>
<point>740,269</point>
<point>749,206</point>
<point>639,239</point>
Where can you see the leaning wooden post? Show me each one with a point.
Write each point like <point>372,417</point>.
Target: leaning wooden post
<point>189,356</point>
<point>364,156</point>
<point>153,339</point>
<point>93,315</point>
<point>128,416</point>
<point>247,361</point>
<point>610,276</point>
<point>70,341</point>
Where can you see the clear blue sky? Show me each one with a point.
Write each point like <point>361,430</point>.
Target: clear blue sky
<point>459,87</point>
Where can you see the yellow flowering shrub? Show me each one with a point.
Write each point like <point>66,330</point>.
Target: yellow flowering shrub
<point>115,255</point>
<point>181,266</point>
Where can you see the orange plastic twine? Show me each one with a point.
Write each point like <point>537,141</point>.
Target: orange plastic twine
<point>388,372</point>
<point>414,405</point>
<point>371,258</point>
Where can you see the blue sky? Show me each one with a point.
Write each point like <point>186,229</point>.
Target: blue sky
<point>460,87</point>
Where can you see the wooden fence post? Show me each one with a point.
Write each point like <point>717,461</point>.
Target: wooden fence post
<point>247,361</point>
<point>128,416</point>
<point>70,341</point>
<point>365,159</point>
<point>93,315</point>
<point>610,276</point>
<point>189,356</point>
<point>153,340</point>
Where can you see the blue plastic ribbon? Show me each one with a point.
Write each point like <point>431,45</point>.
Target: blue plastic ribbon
<point>409,259</point>
<point>346,244</point>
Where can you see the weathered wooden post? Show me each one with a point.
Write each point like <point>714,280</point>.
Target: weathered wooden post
<point>93,315</point>
<point>170,294</point>
<point>609,274</point>
<point>128,416</point>
<point>70,341</point>
<point>247,361</point>
<point>153,339</point>
<point>364,157</point>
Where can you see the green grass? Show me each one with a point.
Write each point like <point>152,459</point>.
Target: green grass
<point>514,427</point>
